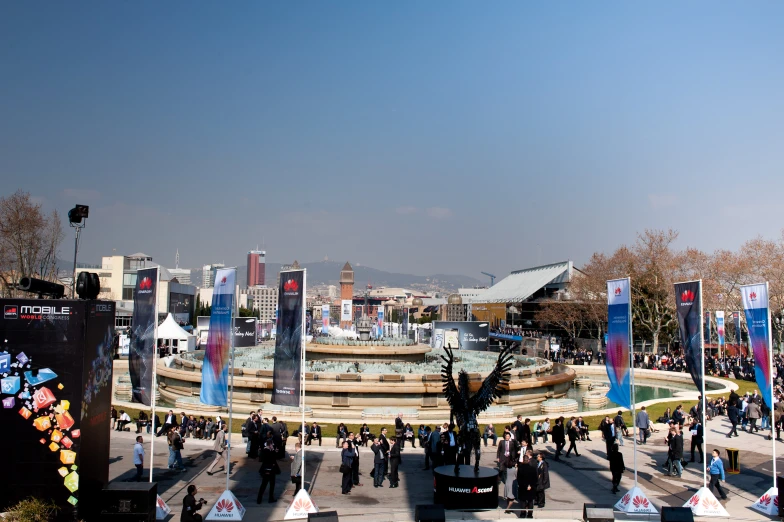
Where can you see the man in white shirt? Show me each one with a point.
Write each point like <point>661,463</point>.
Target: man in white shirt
<point>122,420</point>
<point>138,457</point>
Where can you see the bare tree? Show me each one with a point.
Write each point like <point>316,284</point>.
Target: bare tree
<point>29,241</point>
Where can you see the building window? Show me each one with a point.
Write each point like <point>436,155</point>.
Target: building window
<point>128,294</point>
<point>129,279</point>
<point>122,321</point>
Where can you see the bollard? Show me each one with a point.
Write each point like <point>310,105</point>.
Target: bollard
<point>733,461</point>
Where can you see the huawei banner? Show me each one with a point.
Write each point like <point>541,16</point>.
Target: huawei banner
<point>345,311</point>
<point>215,369</point>
<point>142,352</point>
<point>720,327</point>
<point>380,333</point>
<point>707,334</point>
<point>736,321</point>
<point>325,319</point>
<point>619,331</point>
<point>755,303</point>
<point>288,343</point>
<point>688,304</point>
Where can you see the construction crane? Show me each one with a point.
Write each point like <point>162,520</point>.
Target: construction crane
<point>491,276</point>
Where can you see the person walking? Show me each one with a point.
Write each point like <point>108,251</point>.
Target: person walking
<point>138,457</point>
<point>378,462</point>
<point>219,446</point>
<point>559,438</point>
<point>394,462</point>
<point>676,453</point>
<point>296,467</point>
<point>716,471</point>
<point>542,480</point>
<point>697,439</point>
<point>620,427</point>
<point>734,416</point>
<point>641,423</point>
<point>573,434</point>
<point>175,449</point>
<point>526,485</point>
<point>269,463</point>
<point>506,456</point>
<point>617,466</point>
<point>753,413</point>
<point>346,460</point>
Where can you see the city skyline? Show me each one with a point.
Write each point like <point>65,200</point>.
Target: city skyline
<point>416,139</point>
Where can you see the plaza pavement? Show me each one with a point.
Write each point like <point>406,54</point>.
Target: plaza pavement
<point>574,481</point>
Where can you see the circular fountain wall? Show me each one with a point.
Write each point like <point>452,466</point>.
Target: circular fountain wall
<point>355,381</point>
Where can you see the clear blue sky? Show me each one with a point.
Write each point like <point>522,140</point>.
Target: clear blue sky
<point>413,136</point>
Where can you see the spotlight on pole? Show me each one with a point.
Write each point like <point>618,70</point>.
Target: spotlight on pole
<point>75,217</point>
<point>41,287</point>
<point>88,285</point>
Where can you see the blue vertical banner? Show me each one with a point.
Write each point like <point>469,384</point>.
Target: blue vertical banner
<point>738,332</point>
<point>720,327</point>
<point>380,322</point>
<point>619,332</point>
<point>755,304</point>
<point>215,369</point>
<point>325,319</point>
<point>688,305</point>
<point>142,356</point>
<point>707,326</point>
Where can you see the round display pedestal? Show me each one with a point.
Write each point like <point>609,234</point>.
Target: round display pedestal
<point>465,490</point>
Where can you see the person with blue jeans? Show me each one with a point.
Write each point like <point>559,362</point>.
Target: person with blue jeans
<point>175,447</point>
<point>716,471</point>
<point>138,457</point>
<point>378,462</point>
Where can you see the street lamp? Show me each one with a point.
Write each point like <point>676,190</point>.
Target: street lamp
<point>75,217</point>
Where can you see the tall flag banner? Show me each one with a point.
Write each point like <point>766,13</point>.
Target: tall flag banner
<point>141,357</point>
<point>720,327</point>
<point>738,332</point>
<point>288,343</point>
<point>325,319</point>
<point>619,326</point>
<point>380,322</point>
<point>405,322</point>
<point>707,323</point>
<point>345,311</point>
<point>688,304</point>
<point>755,304</point>
<point>215,369</point>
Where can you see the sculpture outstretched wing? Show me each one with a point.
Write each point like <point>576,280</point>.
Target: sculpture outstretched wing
<point>450,388</point>
<point>493,383</point>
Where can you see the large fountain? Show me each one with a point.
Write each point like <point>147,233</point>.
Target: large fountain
<point>349,378</point>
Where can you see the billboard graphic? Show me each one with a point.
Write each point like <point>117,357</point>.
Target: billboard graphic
<point>380,316</point>
<point>755,303</point>
<point>325,319</point>
<point>472,335</point>
<point>720,327</point>
<point>286,373</point>
<point>142,354</point>
<point>688,304</point>
<point>56,366</point>
<point>215,369</point>
<point>345,311</point>
<point>619,331</point>
<point>244,331</point>
<point>707,334</point>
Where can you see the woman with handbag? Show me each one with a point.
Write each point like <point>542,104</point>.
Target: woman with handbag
<point>269,468</point>
<point>346,461</point>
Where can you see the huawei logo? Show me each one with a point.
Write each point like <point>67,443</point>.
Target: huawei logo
<point>223,280</point>
<point>693,501</point>
<point>640,502</point>
<point>753,296</point>
<point>302,505</point>
<point>687,296</point>
<point>290,286</point>
<point>226,505</point>
<point>765,500</point>
<point>709,503</point>
<point>145,284</point>
<point>625,499</point>
<point>617,290</point>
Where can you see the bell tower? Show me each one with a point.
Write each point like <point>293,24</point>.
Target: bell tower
<point>346,289</point>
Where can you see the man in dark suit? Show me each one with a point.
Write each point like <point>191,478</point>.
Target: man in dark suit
<point>559,437</point>
<point>517,427</point>
<point>394,462</point>
<point>353,445</point>
<point>696,439</point>
<point>506,455</point>
<point>379,458</point>
<point>169,421</point>
<point>315,433</point>
<point>385,447</point>
<point>734,415</point>
<point>450,448</point>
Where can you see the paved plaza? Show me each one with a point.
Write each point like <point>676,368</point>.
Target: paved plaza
<point>575,481</point>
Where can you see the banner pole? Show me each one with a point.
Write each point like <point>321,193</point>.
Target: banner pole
<point>154,371</point>
<point>231,383</point>
<point>302,375</point>
<point>702,391</point>
<point>631,363</point>
<point>770,368</point>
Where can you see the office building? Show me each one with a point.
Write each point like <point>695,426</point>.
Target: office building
<point>257,265</point>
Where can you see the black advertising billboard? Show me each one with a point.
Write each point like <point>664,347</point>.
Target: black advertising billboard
<point>688,304</point>
<point>244,331</point>
<point>56,368</point>
<point>288,341</point>
<point>470,335</point>
<point>142,351</point>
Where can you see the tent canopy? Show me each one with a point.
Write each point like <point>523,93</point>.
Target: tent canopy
<point>169,329</point>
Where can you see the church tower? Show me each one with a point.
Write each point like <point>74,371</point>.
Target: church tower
<point>346,289</point>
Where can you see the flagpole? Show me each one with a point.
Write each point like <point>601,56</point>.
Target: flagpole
<point>770,371</point>
<point>702,391</point>
<point>231,381</point>
<point>631,363</point>
<point>154,370</point>
<point>302,375</point>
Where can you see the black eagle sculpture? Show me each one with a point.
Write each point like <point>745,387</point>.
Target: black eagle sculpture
<point>466,407</point>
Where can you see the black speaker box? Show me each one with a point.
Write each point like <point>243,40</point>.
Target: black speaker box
<point>129,500</point>
<point>598,513</point>
<point>780,487</point>
<point>676,514</point>
<point>430,513</point>
<point>324,516</point>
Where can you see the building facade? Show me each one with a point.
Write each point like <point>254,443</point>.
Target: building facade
<point>257,264</point>
<point>208,274</point>
<point>347,289</point>
<point>265,300</point>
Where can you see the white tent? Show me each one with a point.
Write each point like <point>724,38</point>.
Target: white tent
<point>175,337</point>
